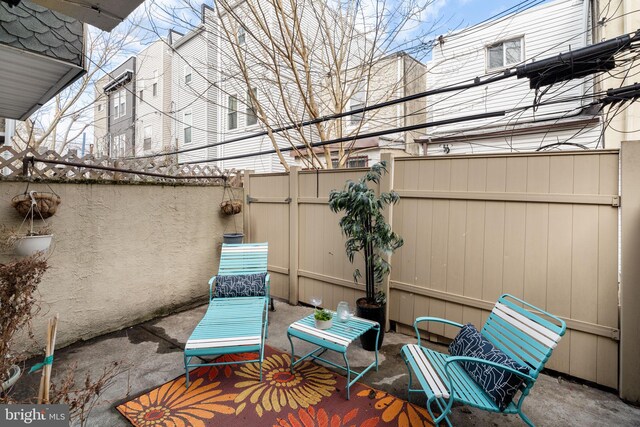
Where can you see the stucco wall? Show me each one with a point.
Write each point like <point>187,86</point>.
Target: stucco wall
<point>124,253</point>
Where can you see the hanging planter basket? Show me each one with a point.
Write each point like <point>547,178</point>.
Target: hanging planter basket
<point>231,207</point>
<point>46,204</point>
<point>31,245</point>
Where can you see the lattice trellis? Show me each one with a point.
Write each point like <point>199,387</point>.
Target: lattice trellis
<point>11,162</point>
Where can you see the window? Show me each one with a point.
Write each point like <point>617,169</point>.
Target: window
<point>358,162</point>
<point>232,108</point>
<point>123,103</point>
<point>353,162</point>
<point>154,87</point>
<point>251,115</point>
<point>242,36</point>
<point>119,104</point>
<point>100,107</point>
<point>147,137</point>
<point>357,101</point>
<point>186,123</point>
<point>187,74</point>
<point>505,53</point>
<point>141,95</point>
<point>118,145</point>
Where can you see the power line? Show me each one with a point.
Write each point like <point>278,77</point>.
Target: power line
<point>395,130</point>
<point>304,123</point>
<point>476,82</point>
<point>350,138</point>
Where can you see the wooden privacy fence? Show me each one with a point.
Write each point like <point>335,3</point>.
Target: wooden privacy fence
<point>543,227</point>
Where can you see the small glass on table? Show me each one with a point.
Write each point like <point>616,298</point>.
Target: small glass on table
<point>345,312</point>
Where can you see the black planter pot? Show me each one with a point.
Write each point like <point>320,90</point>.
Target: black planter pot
<point>375,313</point>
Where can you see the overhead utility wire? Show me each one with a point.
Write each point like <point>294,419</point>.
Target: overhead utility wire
<point>350,138</point>
<point>564,63</point>
<point>477,82</point>
<point>628,93</point>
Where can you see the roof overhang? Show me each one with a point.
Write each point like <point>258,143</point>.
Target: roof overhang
<point>24,92</point>
<point>104,14</point>
<point>121,80</point>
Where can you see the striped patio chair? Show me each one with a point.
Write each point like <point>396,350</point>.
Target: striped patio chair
<point>236,320</point>
<point>525,333</point>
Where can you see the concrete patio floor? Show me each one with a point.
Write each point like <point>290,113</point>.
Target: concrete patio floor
<point>151,354</point>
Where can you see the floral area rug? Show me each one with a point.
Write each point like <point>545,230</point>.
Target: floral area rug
<point>233,395</point>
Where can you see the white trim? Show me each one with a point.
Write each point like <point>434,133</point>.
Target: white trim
<point>223,342</point>
<point>529,327</point>
<point>426,369</point>
<point>336,339</point>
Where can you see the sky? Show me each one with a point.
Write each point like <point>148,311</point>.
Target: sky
<point>443,15</point>
<point>463,13</point>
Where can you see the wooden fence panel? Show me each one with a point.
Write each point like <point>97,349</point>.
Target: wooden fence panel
<point>542,227</point>
<point>268,213</point>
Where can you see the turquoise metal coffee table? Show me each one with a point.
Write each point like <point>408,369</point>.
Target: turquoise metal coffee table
<point>337,338</point>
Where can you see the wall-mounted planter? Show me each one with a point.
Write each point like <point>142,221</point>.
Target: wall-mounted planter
<point>29,245</point>
<point>231,207</point>
<point>46,204</point>
<point>232,238</point>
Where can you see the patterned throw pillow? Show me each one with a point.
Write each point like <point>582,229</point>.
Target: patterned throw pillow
<point>241,285</point>
<point>500,385</point>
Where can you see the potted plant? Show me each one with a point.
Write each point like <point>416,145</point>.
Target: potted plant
<point>323,318</point>
<point>18,283</point>
<point>46,204</point>
<point>36,239</point>
<point>367,231</point>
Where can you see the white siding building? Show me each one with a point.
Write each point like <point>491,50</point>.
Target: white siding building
<point>489,48</point>
<point>237,118</point>
<point>153,99</point>
<point>195,96</point>
<point>280,93</point>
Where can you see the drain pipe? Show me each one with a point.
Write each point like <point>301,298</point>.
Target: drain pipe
<point>586,5</point>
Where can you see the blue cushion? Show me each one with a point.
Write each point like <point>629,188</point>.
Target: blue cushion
<point>499,384</point>
<point>241,285</point>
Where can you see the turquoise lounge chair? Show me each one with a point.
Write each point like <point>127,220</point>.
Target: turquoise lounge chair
<point>233,324</point>
<point>527,335</point>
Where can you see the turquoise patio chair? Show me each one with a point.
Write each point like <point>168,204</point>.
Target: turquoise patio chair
<point>234,323</point>
<point>527,335</point>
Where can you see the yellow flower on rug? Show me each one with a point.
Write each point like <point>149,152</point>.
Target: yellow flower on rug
<point>174,405</point>
<point>406,414</point>
<point>280,389</point>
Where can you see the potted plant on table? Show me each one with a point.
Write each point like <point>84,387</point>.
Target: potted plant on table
<point>323,318</point>
<point>367,231</point>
